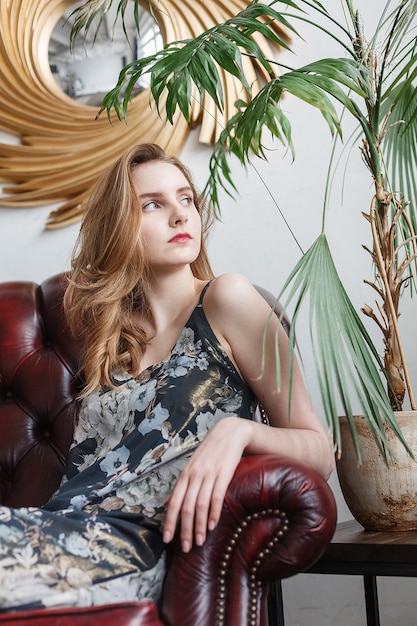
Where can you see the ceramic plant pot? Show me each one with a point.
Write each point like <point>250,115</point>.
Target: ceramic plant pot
<point>380,496</point>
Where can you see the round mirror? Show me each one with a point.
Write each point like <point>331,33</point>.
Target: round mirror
<point>63,146</point>
<point>92,68</point>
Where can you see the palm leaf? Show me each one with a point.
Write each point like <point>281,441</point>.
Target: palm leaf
<point>92,12</point>
<point>344,354</point>
<point>399,105</point>
<point>196,61</point>
<point>316,83</point>
<point>400,142</point>
<point>402,17</point>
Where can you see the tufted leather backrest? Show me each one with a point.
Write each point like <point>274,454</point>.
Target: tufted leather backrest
<point>38,387</point>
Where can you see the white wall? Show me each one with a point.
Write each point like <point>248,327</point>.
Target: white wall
<point>253,239</point>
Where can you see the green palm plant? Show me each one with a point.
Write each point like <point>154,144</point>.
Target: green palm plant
<point>372,81</point>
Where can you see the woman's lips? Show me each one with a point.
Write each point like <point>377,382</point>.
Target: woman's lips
<point>180,238</point>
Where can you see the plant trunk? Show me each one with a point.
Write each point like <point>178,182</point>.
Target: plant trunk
<point>388,284</point>
<point>394,368</point>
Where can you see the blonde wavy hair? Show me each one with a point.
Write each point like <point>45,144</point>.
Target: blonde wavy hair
<point>109,272</point>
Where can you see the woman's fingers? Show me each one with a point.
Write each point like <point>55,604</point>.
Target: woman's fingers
<point>197,498</point>
<point>189,504</point>
<point>197,504</point>
<point>174,507</point>
<point>194,514</point>
<point>217,498</point>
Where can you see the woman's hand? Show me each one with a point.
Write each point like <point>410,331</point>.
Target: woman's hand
<point>198,496</point>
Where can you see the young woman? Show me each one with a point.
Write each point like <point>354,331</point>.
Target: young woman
<point>174,368</point>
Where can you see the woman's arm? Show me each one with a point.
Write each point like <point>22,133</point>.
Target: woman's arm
<point>238,316</point>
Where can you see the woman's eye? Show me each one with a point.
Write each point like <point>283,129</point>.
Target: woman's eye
<point>149,206</point>
<point>187,201</point>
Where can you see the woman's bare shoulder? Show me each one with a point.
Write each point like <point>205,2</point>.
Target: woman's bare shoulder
<point>231,288</point>
<point>233,298</point>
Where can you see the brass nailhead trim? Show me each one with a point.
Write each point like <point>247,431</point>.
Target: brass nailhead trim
<point>254,583</point>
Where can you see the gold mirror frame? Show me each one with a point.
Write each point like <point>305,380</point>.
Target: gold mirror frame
<point>63,148</point>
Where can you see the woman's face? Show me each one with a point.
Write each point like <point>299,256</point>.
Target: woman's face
<point>171,224</point>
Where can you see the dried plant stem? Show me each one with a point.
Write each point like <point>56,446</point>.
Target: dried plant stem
<point>396,367</point>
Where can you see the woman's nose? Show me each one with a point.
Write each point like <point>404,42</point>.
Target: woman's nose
<point>178,216</point>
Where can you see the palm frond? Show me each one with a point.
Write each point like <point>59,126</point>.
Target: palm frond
<point>402,17</point>
<point>317,84</point>
<point>400,143</point>
<point>91,14</point>
<point>344,354</point>
<point>180,66</point>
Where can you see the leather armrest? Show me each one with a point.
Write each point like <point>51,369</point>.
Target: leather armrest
<point>277,520</point>
<point>120,614</point>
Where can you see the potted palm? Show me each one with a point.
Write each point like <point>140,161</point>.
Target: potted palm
<point>373,82</point>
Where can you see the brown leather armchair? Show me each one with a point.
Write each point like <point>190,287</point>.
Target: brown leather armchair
<point>277,519</point>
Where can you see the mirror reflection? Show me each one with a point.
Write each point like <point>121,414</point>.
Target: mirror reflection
<point>91,69</point>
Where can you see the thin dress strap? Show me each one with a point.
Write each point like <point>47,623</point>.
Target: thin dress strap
<point>203,292</point>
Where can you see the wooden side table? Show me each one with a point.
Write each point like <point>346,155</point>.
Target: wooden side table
<point>360,552</point>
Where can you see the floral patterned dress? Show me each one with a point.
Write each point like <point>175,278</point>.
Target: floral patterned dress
<point>98,539</point>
